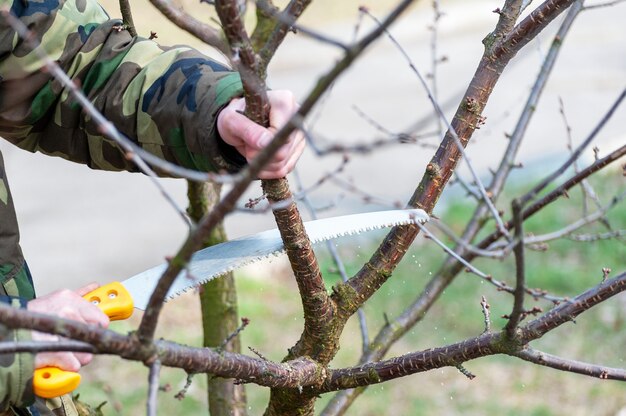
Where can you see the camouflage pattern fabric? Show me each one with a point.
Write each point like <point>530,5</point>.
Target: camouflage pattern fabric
<point>166,100</point>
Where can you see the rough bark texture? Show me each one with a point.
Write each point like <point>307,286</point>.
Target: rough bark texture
<point>218,299</point>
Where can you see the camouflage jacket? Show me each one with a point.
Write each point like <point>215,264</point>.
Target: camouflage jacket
<point>164,99</point>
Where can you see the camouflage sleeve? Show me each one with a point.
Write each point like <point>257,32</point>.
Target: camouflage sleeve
<point>16,288</point>
<point>16,370</point>
<point>164,99</point>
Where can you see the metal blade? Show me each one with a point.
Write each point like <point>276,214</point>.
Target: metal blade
<point>220,259</point>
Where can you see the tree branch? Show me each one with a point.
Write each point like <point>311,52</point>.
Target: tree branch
<point>481,346</point>
<point>153,388</point>
<point>571,366</point>
<point>188,23</point>
<point>318,309</point>
<point>389,334</point>
<point>520,272</point>
<point>575,154</point>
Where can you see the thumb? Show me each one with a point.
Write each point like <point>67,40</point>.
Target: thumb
<point>64,360</point>
<point>82,291</point>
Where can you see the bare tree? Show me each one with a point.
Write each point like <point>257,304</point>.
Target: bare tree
<point>306,371</point>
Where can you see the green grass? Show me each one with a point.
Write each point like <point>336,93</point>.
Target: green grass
<point>504,386</point>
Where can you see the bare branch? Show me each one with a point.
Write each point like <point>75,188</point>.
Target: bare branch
<point>453,133</point>
<point>287,20</point>
<point>565,231</point>
<point>520,271</point>
<point>571,366</point>
<point>602,5</point>
<point>317,305</point>
<point>596,237</point>
<point>267,43</point>
<point>509,14</point>
<point>527,29</point>
<point>45,346</point>
<point>542,185</point>
<point>153,388</point>
<point>188,23</point>
<point>481,346</point>
<point>466,246</point>
<point>559,191</point>
<point>127,17</point>
<point>485,308</point>
<point>568,311</point>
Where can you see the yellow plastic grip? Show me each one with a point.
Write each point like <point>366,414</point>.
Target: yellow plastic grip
<point>50,382</point>
<point>112,299</point>
<point>115,301</point>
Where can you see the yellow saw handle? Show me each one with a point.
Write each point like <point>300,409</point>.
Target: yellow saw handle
<point>115,301</point>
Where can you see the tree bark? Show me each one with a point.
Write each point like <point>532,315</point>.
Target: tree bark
<point>218,300</point>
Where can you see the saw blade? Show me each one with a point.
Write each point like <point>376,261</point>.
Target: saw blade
<point>220,259</point>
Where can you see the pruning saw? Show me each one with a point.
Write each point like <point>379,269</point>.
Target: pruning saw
<point>118,299</point>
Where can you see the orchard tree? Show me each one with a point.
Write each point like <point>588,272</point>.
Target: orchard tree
<point>495,230</point>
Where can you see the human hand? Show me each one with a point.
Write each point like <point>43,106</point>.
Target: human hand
<point>67,304</point>
<point>249,138</point>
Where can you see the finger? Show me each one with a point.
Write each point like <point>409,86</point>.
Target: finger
<point>282,106</point>
<point>91,314</point>
<point>84,358</point>
<point>87,288</point>
<point>279,170</point>
<point>64,360</point>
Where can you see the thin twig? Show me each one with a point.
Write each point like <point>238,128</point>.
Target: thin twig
<point>565,231</point>
<point>46,346</point>
<point>536,293</point>
<point>288,20</point>
<point>596,237</point>
<point>197,28</point>
<point>467,246</point>
<point>575,154</point>
<point>601,5</point>
<point>451,129</point>
<point>153,388</point>
<point>571,366</point>
<point>485,308</point>
<point>127,17</point>
<point>434,58</point>
<point>559,191</point>
<point>520,271</point>
<point>244,323</point>
<point>183,392</point>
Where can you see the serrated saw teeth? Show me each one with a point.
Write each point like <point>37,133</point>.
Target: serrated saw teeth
<point>220,259</point>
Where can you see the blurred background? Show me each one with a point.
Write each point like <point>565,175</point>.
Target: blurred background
<point>80,225</point>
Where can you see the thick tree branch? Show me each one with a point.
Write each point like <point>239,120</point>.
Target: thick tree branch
<point>508,16</point>
<point>318,309</point>
<point>527,29</point>
<point>389,334</point>
<point>445,160</point>
<point>304,372</point>
<point>269,33</point>
<point>481,346</point>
